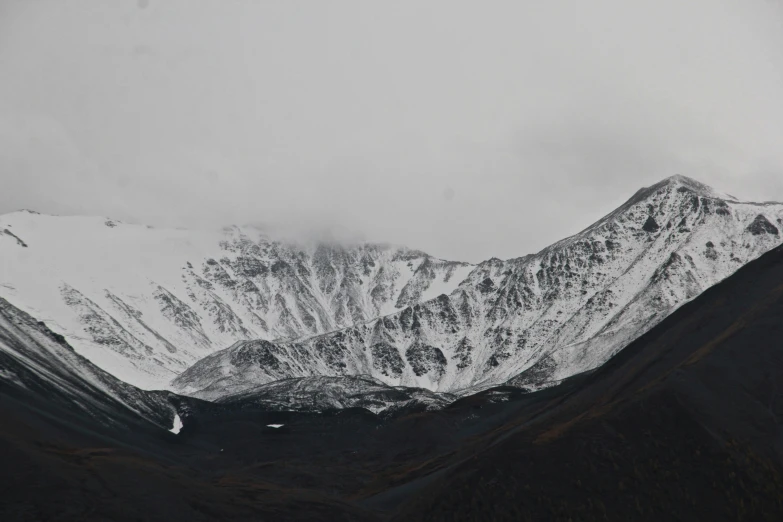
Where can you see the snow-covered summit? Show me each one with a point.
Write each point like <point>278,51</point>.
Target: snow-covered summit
<point>684,183</point>
<point>153,304</point>
<point>536,319</point>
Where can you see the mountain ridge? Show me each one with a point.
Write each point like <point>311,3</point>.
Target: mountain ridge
<point>145,303</point>
<point>533,320</point>
<point>156,306</point>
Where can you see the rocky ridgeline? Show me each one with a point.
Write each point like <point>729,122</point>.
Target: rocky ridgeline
<point>534,320</point>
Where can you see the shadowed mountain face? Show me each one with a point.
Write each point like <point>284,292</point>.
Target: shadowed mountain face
<point>534,320</point>
<point>685,423</point>
<point>38,364</point>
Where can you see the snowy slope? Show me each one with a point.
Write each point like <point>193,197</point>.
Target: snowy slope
<point>145,303</point>
<point>534,320</point>
<point>34,361</point>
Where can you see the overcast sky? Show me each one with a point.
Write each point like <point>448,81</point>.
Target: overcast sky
<point>467,129</point>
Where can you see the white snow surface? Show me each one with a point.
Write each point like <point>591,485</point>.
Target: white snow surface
<point>534,320</point>
<point>175,429</point>
<point>146,303</point>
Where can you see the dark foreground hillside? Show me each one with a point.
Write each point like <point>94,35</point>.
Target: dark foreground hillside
<point>684,424</point>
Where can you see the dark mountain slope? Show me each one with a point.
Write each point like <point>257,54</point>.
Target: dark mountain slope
<point>54,470</point>
<point>684,424</point>
<point>38,364</point>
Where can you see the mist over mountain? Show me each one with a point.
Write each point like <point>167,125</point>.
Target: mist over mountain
<point>145,303</point>
<point>534,320</point>
<point>391,261</point>
<point>214,314</point>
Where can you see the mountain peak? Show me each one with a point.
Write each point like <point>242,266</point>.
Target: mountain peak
<point>679,178</point>
<point>677,182</point>
<point>692,185</point>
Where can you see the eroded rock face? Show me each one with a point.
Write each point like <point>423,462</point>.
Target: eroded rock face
<point>386,359</point>
<point>257,353</point>
<point>425,359</point>
<point>540,318</point>
<point>651,225</point>
<point>761,225</point>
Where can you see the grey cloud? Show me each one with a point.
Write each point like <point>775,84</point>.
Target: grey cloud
<point>465,129</point>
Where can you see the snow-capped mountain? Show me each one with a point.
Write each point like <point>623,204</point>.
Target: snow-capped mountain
<point>537,319</point>
<point>145,303</point>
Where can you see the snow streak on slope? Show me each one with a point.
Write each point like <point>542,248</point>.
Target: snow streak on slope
<point>536,319</point>
<point>146,303</point>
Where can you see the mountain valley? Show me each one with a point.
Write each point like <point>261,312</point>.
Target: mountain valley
<point>685,419</point>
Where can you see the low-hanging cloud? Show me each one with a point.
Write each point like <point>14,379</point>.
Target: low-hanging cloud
<point>466,129</point>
